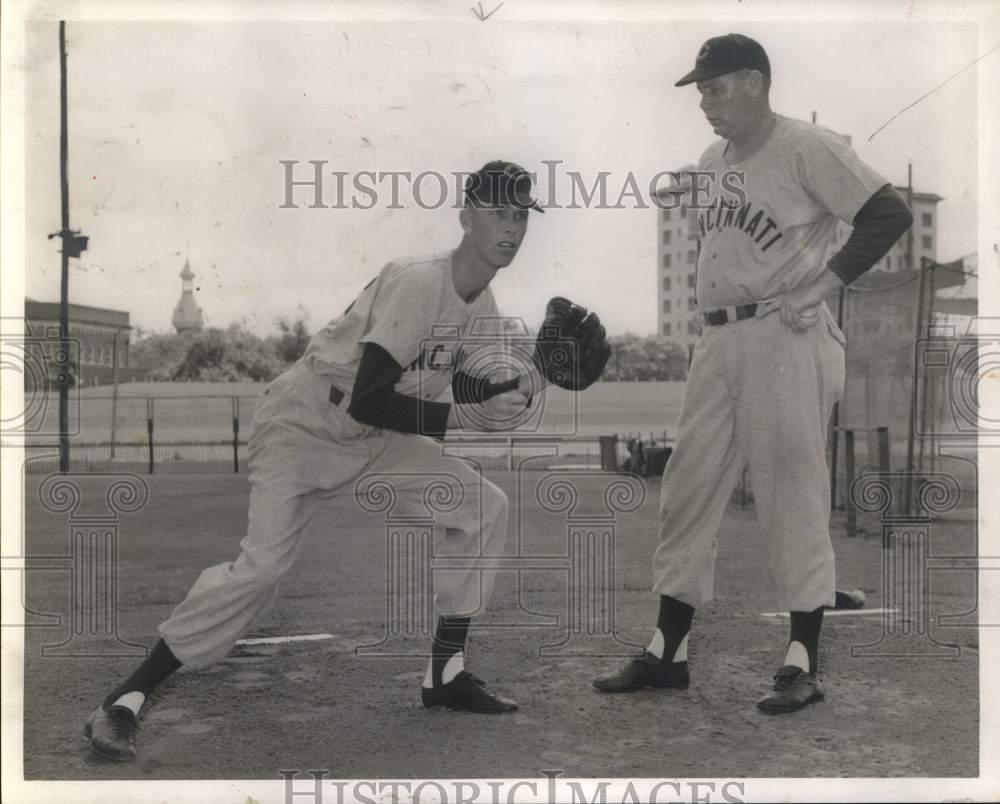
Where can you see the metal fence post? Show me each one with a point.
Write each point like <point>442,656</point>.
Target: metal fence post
<point>236,434</point>
<point>149,430</point>
<point>852,514</point>
<point>883,450</point>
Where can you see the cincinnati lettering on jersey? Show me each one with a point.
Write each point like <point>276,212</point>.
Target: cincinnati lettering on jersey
<point>720,215</point>
<point>440,358</point>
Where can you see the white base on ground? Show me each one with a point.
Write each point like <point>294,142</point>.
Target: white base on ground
<point>834,613</point>
<point>278,640</point>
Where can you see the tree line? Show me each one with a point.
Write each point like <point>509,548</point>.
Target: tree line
<point>235,354</point>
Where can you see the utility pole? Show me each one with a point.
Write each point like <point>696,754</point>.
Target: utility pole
<point>114,389</point>
<point>73,245</point>
<point>64,373</point>
<point>910,436</point>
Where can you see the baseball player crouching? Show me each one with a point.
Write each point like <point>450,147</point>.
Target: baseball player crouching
<point>363,400</point>
<point>769,365</point>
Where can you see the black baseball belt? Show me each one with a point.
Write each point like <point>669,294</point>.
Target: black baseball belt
<point>725,315</point>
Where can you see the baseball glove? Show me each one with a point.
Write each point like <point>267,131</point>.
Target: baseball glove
<point>572,348</point>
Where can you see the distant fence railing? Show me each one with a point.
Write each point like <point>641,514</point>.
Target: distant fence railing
<point>155,457</point>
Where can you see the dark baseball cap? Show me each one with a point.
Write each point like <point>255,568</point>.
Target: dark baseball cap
<point>500,183</point>
<point>727,54</point>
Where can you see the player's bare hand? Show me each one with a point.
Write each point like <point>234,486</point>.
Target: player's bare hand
<point>799,310</point>
<point>499,413</point>
<point>503,411</point>
<point>796,315</point>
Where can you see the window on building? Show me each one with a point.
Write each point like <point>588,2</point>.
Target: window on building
<point>692,256</point>
<point>666,329</point>
<point>666,237</point>
<point>666,280</point>
<point>691,328</point>
<point>666,260</point>
<point>690,280</point>
<point>927,219</point>
<point>692,304</point>
<point>926,241</point>
<point>666,305</point>
<point>692,233</point>
<point>666,216</point>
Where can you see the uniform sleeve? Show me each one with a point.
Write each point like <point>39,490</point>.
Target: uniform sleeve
<point>375,401</point>
<point>833,174</point>
<point>399,317</point>
<point>883,219</point>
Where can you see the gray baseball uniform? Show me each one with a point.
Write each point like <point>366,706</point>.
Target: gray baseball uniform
<point>757,391</point>
<point>305,449</point>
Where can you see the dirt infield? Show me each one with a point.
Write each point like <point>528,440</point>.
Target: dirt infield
<point>314,704</point>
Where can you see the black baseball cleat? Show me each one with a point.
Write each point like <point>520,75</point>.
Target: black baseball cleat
<point>112,733</point>
<point>469,693</point>
<point>645,671</point>
<point>793,688</point>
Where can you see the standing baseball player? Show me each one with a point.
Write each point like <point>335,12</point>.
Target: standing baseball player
<point>769,365</point>
<point>360,401</point>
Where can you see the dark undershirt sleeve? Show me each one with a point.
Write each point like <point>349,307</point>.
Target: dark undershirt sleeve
<point>468,388</point>
<point>375,401</point>
<point>883,219</point>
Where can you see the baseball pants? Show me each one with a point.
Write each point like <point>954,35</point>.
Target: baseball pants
<point>304,451</point>
<point>762,394</point>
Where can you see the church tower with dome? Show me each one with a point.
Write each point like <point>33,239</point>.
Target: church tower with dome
<point>187,313</point>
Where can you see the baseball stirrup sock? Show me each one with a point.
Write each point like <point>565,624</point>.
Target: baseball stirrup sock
<point>160,663</point>
<point>446,650</point>
<point>672,625</point>
<point>804,637</point>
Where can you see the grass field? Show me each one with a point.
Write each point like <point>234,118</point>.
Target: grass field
<point>204,411</point>
<point>317,705</point>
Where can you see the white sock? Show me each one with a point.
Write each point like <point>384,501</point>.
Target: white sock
<point>797,655</point>
<point>131,700</point>
<point>656,647</point>
<point>656,644</point>
<point>454,666</point>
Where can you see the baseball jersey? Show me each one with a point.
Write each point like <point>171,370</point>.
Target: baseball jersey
<point>776,237</point>
<point>412,311</point>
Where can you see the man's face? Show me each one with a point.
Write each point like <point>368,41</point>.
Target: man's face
<point>496,232</point>
<point>727,103</point>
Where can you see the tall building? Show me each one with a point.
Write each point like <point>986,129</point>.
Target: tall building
<point>187,313</point>
<point>677,250</point>
<point>676,256</point>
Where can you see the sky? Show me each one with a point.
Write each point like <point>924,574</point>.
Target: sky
<point>177,129</point>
